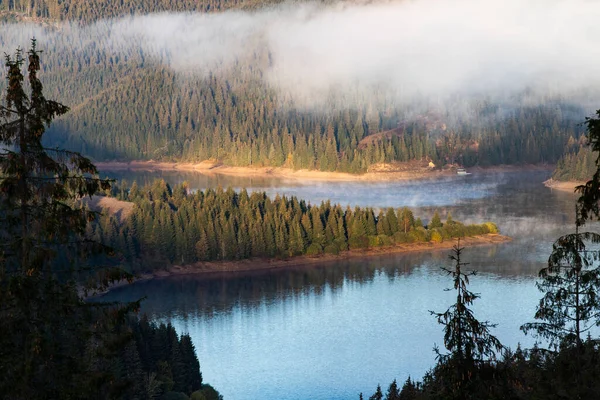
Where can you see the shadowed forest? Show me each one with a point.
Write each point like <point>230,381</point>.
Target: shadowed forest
<point>59,341</point>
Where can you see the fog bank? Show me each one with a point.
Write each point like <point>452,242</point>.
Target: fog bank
<point>312,53</point>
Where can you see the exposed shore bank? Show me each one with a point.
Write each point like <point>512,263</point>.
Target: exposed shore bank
<point>564,186</point>
<point>258,264</point>
<point>382,172</point>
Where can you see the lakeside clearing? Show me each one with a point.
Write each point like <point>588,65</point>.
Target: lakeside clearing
<point>260,264</point>
<point>379,172</point>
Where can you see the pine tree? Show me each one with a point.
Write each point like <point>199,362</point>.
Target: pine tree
<point>409,390</point>
<point>392,220</point>
<point>589,200</point>
<point>393,393</point>
<point>407,220</point>
<point>468,340</point>
<point>192,377</point>
<point>435,222</point>
<point>378,395</point>
<point>46,328</point>
<point>570,307</point>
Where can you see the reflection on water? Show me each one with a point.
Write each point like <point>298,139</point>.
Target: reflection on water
<point>333,330</point>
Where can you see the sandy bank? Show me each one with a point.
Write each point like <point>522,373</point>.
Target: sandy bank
<point>564,186</point>
<point>206,167</point>
<point>257,264</point>
<point>121,209</point>
<point>387,172</point>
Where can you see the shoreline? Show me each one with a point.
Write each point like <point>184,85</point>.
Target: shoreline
<point>400,171</point>
<point>563,186</point>
<point>261,264</point>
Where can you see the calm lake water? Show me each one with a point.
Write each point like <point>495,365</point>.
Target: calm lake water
<point>334,330</point>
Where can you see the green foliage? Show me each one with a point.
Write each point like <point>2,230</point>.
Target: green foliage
<point>332,249</point>
<point>174,396</point>
<point>407,220</point>
<point>588,202</point>
<point>401,237</point>
<point>167,360</point>
<point>393,392</point>
<point>576,165</point>
<point>436,237</point>
<point>435,222</point>
<point>568,310</point>
<point>570,307</point>
<point>46,328</point>
<point>232,116</point>
<point>92,10</point>
<point>570,373</point>
<point>206,393</point>
<point>54,343</point>
<point>491,227</point>
<point>468,340</point>
<point>314,249</point>
<point>173,225</point>
<point>420,234</point>
<point>378,395</point>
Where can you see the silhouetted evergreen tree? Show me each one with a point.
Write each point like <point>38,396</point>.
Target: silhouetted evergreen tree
<point>468,340</point>
<point>393,393</point>
<point>588,202</point>
<point>48,334</point>
<point>570,307</point>
<point>55,344</point>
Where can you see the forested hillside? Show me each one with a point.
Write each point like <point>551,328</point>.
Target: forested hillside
<point>128,102</point>
<point>578,162</point>
<point>91,10</point>
<point>576,165</point>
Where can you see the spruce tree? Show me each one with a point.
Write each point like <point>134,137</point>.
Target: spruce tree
<point>570,307</point>
<point>393,392</point>
<point>407,220</point>
<point>378,395</point>
<point>50,338</point>
<point>435,222</point>
<point>589,200</point>
<point>468,340</point>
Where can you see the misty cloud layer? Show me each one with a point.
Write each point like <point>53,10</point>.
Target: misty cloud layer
<point>425,48</point>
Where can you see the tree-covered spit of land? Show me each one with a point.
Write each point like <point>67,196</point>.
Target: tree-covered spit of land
<point>174,225</point>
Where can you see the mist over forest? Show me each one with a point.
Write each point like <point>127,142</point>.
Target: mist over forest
<point>520,52</point>
<point>334,86</point>
<point>273,149</point>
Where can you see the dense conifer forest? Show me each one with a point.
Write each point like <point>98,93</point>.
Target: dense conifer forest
<point>55,341</point>
<point>177,226</point>
<point>564,362</point>
<point>89,11</point>
<point>156,362</point>
<point>576,165</point>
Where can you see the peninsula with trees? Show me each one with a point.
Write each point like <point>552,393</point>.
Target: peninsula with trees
<point>157,226</point>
